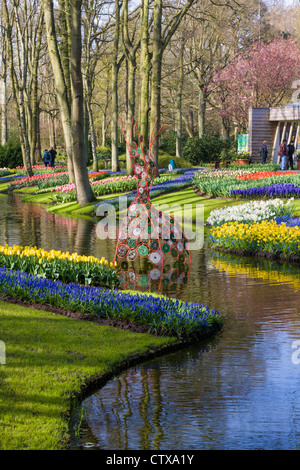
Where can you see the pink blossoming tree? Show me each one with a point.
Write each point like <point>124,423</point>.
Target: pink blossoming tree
<point>262,76</point>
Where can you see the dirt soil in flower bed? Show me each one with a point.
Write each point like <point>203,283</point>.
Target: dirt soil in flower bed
<point>261,254</point>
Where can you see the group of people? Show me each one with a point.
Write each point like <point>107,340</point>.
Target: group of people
<point>49,157</point>
<point>285,152</point>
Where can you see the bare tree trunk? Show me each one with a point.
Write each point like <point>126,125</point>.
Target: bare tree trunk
<point>114,89</point>
<point>3,83</point>
<point>160,41</point>
<point>156,76</point>
<point>191,121</point>
<point>53,132</point>
<point>80,147</point>
<point>93,137</point>
<point>103,129</point>
<point>130,110</point>
<point>179,104</point>
<point>225,128</point>
<point>144,72</point>
<point>202,112</point>
<point>105,109</point>
<point>130,51</point>
<point>86,127</point>
<point>187,127</point>
<point>18,86</point>
<point>61,87</point>
<point>38,150</point>
<point>33,105</point>
<point>3,114</point>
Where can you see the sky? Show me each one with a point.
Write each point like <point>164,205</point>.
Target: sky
<point>289,3</point>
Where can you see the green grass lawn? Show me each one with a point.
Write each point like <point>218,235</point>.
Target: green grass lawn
<point>49,358</point>
<point>73,208</point>
<point>297,207</point>
<point>4,186</point>
<point>175,200</point>
<point>178,199</point>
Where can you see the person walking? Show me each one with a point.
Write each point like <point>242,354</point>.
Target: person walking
<point>264,152</point>
<point>53,153</point>
<point>47,158</point>
<point>283,154</point>
<point>290,154</point>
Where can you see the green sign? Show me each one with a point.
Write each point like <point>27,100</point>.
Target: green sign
<point>243,142</point>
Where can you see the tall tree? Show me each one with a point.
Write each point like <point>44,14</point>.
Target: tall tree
<point>161,38</point>
<point>131,49</point>
<point>69,89</point>
<point>144,71</point>
<point>60,59</point>
<point>94,48</point>
<point>24,23</point>
<point>115,67</point>
<point>244,82</point>
<point>3,81</point>
<point>207,50</point>
<point>179,100</point>
<point>80,147</point>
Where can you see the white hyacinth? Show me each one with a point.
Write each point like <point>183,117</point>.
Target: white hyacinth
<point>253,211</point>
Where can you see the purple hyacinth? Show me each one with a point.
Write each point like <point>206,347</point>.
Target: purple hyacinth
<point>274,190</point>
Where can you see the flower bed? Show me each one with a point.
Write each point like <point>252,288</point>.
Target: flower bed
<point>5,172</point>
<point>67,193</point>
<point>262,175</point>
<point>165,186</point>
<point>97,175</point>
<point>288,220</point>
<point>245,184</point>
<point>56,265</point>
<point>264,236</point>
<point>42,181</point>
<point>273,190</point>
<point>250,212</point>
<point>41,169</point>
<point>45,181</point>
<point>166,316</point>
<point>119,184</point>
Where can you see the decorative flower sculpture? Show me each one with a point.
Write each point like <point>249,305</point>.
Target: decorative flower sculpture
<point>148,236</point>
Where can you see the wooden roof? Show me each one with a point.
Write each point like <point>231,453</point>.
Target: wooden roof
<point>290,112</point>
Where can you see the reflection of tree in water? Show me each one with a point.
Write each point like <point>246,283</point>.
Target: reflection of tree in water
<point>126,413</point>
<point>151,400</point>
<point>241,392</point>
<point>31,224</point>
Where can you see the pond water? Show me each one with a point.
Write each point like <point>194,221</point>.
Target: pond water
<point>239,390</point>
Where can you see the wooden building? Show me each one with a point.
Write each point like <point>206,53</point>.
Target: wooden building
<point>273,125</point>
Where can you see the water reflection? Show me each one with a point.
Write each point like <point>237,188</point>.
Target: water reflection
<point>269,270</point>
<point>30,224</point>
<point>241,392</point>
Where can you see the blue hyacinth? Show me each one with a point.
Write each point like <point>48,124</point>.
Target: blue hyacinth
<point>173,317</point>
